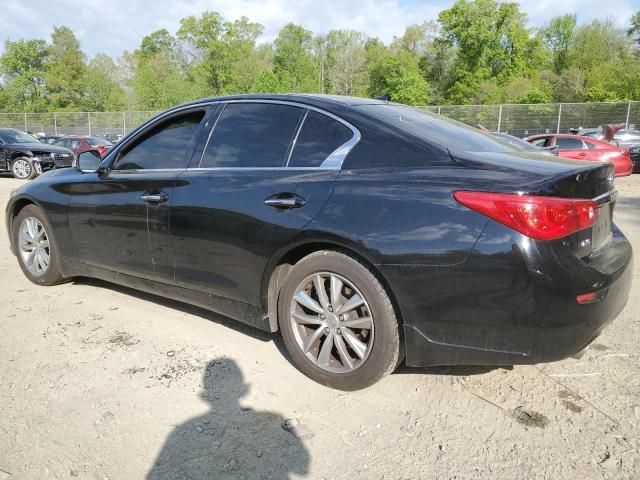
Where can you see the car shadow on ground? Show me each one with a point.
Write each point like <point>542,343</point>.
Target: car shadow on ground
<point>452,370</point>
<point>180,306</point>
<point>230,441</point>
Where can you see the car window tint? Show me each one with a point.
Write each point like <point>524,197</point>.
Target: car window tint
<point>319,137</point>
<point>252,135</point>
<point>589,145</point>
<point>75,144</point>
<point>165,146</point>
<point>568,143</point>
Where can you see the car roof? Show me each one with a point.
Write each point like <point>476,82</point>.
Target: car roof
<point>314,99</point>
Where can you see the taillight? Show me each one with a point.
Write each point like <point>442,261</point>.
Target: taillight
<point>541,218</point>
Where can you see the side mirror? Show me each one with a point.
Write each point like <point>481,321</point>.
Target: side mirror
<point>87,161</point>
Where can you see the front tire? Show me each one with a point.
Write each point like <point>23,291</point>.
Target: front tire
<point>23,168</point>
<point>36,247</point>
<point>337,321</point>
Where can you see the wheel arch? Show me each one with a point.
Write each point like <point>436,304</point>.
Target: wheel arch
<point>282,262</point>
<point>14,211</point>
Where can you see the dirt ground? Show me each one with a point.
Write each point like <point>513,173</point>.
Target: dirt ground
<point>102,382</point>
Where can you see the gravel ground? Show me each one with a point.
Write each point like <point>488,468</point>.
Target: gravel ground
<point>102,382</point>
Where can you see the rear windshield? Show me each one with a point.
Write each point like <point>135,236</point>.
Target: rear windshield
<point>436,129</point>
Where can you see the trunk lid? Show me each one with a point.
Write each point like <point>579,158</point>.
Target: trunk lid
<point>555,177</point>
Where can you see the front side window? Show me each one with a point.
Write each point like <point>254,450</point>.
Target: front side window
<point>567,143</point>
<point>319,137</point>
<point>164,146</point>
<point>540,142</point>
<point>252,135</point>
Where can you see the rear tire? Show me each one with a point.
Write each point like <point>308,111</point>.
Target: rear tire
<point>36,247</point>
<point>330,342</point>
<point>22,168</point>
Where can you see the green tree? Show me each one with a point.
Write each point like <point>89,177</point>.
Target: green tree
<point>65,75</point>
<point>346,58</point>
<point>634,30</point>
<point>292,59</point>
<point>23,66</point>
<point>491,40</point>
<point>401,79</point>
<point>101,91</point>
<point>558,36</point>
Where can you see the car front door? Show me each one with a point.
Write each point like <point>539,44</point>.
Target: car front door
<point>267,169</point>
<point>119,218</point>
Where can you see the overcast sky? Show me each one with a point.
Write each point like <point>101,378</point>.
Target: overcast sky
<point>112,26</point>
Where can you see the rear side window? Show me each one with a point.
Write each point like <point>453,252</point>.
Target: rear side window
<point>252,135</point>
<point>319,137</point>
<point>165,146</point>
<point>567,143</point>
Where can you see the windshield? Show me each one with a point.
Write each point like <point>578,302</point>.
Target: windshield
<point>16,136</point>
<point>98,142</point>
<point>436,129</point>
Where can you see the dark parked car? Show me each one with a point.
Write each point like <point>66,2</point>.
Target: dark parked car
<point>84,144</point>
<point>359,229</point>
<point>26,157</point>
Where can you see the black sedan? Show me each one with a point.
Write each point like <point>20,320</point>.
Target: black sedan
<point>362,231</point>
<point>25,157</point>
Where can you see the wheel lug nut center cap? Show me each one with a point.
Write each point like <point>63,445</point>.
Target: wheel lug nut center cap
<point>332,320</point>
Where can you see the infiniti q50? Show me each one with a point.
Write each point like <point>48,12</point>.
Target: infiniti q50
<point>364,232</point>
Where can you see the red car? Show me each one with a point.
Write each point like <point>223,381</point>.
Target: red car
<point>586,148</point>
<point>85,144</point>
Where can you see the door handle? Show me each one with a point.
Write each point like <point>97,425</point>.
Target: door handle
<point>154,197</point>
<point>285,200</point>
<point>583,154</point>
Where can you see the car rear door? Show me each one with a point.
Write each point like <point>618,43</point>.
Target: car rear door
<point>267,169</point>
<point>569,147</point>
<point>119,219</point>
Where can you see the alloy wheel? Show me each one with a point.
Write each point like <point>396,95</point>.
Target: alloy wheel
<point>21,168</point>
<point>332,322</point>
<point>33,243</point>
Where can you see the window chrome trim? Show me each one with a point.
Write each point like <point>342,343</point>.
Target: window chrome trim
<point>240,169</point>
<point>332,162</point>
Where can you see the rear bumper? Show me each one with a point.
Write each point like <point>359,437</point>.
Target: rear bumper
<point>508,307</point>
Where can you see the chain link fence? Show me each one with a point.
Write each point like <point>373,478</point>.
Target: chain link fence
<point>111,125</point>
<point>522,120</point>
<point>518,120</point>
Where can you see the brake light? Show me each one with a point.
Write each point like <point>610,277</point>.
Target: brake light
<point>540,218</point>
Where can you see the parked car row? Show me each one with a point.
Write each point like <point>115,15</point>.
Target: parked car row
<point>579,147</point>
<point>26,156</point>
